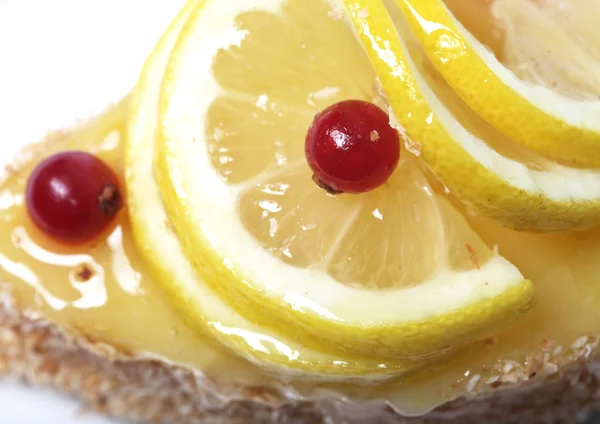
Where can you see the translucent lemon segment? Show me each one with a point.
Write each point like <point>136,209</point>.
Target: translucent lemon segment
<point>285,214</point>
<point>398,238</point>
<point>398,235</point>
<point>270,95</point>
<point>553,43</point>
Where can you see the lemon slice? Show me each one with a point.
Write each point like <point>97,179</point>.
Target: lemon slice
<point>493,175</point>
<point>393,273</point>
<point>535,116</point>
<point>159,246</point>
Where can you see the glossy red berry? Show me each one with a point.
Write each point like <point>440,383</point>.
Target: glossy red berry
<point>351,147</point>
<point>73,196</point>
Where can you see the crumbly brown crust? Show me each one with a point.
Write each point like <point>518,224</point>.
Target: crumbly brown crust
<point>153,391</point>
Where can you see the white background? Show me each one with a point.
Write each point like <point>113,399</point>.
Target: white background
<point>63,60</point>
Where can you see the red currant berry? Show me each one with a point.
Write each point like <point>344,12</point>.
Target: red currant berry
<point>73,196</point>
<point>351,147</point>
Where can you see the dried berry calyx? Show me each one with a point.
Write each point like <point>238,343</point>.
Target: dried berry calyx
<point>110,199</point>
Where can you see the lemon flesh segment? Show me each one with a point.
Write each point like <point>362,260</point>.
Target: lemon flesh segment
<point>202,309</point>
<point>561,127</point>
<point>204,194</point>
<point>502,185</point>
<point>552,43</point>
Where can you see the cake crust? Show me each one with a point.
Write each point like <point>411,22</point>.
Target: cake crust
<point>152,391</point>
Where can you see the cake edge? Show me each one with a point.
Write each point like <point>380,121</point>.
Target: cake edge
<point>119,384</point>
